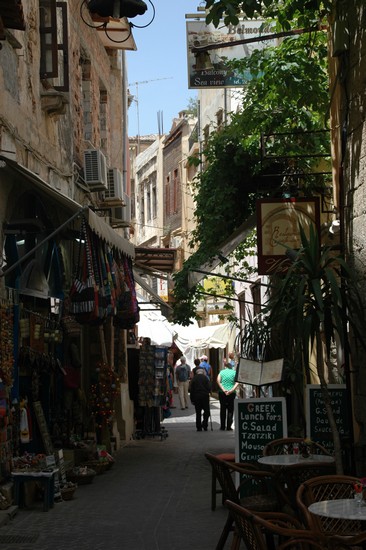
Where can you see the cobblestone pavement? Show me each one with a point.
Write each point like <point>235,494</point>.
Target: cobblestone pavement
<point>156,497</point>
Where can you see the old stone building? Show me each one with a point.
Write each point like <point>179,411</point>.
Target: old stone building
<point>63,163</point>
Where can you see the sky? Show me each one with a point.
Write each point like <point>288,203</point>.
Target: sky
<point>159,65</point>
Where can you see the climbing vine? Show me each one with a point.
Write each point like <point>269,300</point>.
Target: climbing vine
<point>281,127</point>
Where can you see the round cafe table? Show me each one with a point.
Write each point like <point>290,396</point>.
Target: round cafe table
<point>289,460</point>
<point>343,508</point>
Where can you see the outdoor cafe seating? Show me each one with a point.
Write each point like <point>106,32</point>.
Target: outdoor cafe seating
<point>257,489</point>
<point>261,531</point>
<point>293,468</point>
<point>316,499</point>
<point>288,445</point>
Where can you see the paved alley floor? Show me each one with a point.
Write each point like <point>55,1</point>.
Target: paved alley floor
<point>157,496</point>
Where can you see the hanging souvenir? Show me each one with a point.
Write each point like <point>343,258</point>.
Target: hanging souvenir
<point>84,292</point>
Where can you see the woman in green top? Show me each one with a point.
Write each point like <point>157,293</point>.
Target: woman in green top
<point>227,393</point>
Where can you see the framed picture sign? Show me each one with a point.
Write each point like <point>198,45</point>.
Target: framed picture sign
<point>278,222</point>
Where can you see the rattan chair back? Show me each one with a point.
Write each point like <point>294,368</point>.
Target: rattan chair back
<point>293,476</point>
<point>327,487</point>
<point>261,531</point>
<point>256,488</point>
<point>285,445</point>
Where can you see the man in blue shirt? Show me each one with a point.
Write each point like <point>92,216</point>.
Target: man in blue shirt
<point>204,364</point>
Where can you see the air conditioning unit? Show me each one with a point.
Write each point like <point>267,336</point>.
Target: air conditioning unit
<point>122,213</point>
<point>114,189</point>
<point>95,170</point>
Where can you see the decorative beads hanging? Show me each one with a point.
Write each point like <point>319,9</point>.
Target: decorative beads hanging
<point>104,393</point>
<point>6,343</point>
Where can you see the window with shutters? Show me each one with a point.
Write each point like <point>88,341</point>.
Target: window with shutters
<point>54,65</point>
<point>154,201</point>
<point>256,295</point>
<point>167,196</point>
<point>175,190</point>
<point>242,310</point>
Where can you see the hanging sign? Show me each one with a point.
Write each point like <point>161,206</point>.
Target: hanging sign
<point>209,68</point>
<point>278,222</point>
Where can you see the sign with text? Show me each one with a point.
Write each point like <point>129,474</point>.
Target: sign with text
<point>208,68</point>
<point>318,428</point>
<point>257,422</point>
<point>278,223</point>
<point>259,373</point>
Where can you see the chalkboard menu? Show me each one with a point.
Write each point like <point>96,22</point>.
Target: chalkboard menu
<point>257,422</point>
<point>317,422</point>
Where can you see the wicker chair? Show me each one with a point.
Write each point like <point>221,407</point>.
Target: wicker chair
<point>285,445</point>
<point>328,488</point>
<point>216,490</point>
<point>261,490</point>
<point>293,476</point>
<point>259,531</point>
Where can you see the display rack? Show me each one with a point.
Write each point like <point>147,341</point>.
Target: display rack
<point>152,390</point>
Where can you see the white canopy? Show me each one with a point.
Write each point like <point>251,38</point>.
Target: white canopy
<point>191,340</point>
<point>155,326</point>
<point>194,340</point>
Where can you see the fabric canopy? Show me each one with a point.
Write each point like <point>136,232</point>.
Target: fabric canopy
<point>155,326</point>
<point>194,340</point>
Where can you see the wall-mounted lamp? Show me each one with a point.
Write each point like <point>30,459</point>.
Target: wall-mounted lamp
<point>117,8</point>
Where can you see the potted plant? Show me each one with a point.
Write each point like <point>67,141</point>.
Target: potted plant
<point>308,309</point>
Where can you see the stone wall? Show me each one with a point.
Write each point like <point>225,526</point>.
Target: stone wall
<point>352,81</point>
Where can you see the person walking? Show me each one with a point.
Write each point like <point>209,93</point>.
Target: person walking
<point>183,373</point>
<point>200,396</point>
<point>231,359</point>
<point>227,393</point>
<point>204,364</point>
<point>196,365</point>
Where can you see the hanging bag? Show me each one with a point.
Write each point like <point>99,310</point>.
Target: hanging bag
<point>84,291</point>
<point>127,314</point>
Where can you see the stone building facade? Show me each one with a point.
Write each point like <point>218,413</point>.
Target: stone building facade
<point>63,92</point>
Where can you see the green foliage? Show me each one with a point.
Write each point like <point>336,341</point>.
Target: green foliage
<point>318,295</point>
<point>286,100</point>
<point>303,13</point>
<point>192,107</point>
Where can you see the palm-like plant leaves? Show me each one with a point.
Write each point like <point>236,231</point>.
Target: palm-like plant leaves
<point>311,305</point>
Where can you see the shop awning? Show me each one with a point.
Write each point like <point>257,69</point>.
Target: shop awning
<point>164,307</point>
<point>97,224</point>
<point>155,259</point>
<point>224,249</point>
<point>108,234</point>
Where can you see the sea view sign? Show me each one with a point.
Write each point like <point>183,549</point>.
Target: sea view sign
<point>278,222</point>
<point>208,68</point>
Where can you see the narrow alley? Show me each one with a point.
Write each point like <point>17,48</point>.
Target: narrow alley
<point>156,497</point>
